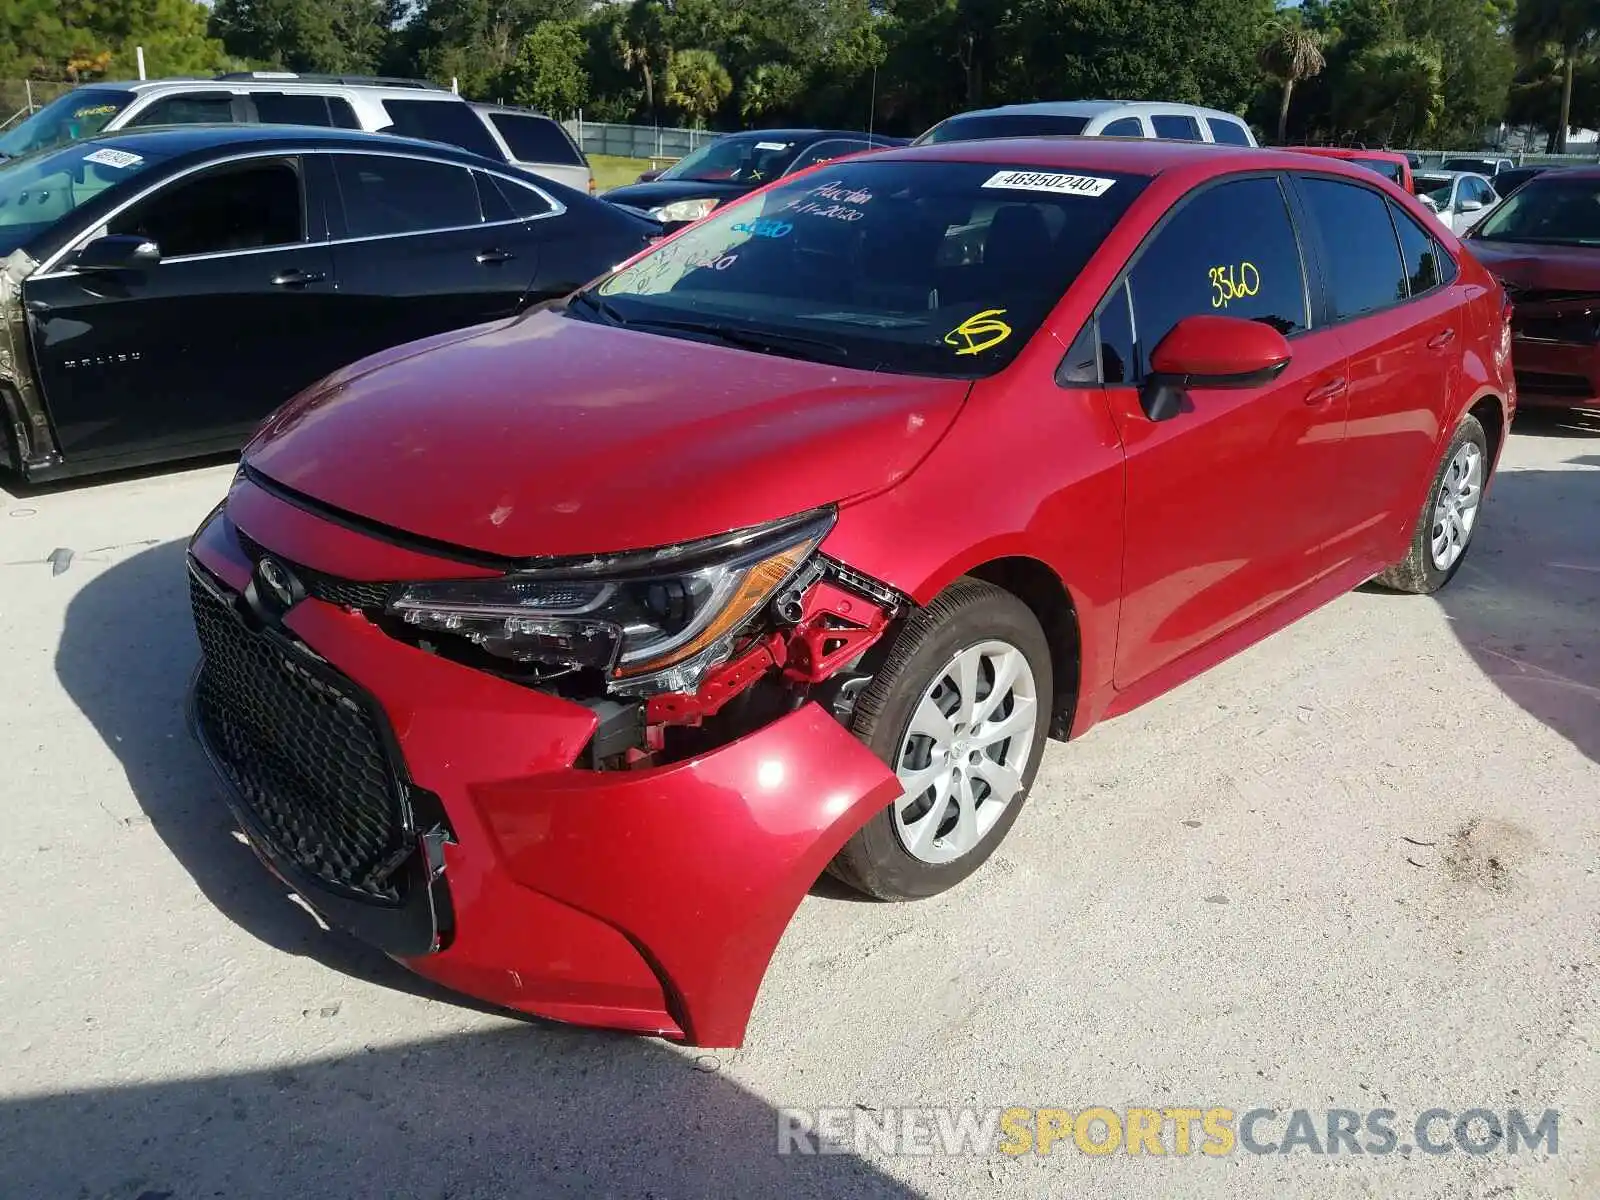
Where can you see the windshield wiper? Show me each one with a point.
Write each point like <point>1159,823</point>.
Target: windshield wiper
<point>594,304</point>
<point>748,339</point>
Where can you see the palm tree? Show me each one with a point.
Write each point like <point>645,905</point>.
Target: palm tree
<point>1291,54</point>
<point>697,83</point>
<point>1571,26</point>
<point>1400,84</point>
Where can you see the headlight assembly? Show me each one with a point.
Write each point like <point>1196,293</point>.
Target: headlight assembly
<point>683,210</point>
<point>651,621</point>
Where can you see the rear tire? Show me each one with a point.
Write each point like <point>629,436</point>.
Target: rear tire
<point>960,711</point>
<point>1449,516</point>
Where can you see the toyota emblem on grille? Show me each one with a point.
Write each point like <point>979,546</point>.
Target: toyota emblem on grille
<point>275,578</point>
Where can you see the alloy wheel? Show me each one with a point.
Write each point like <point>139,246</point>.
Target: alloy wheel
<point>965,751</point>
<point>1455,509</point>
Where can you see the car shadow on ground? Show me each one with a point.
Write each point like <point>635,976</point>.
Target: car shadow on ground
<point>492,1114</point>
<point>1526,603</point>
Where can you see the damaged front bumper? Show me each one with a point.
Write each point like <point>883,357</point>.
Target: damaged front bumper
<point>648,898</point>
<point>27,442</point>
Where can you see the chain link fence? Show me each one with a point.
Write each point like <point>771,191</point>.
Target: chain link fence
<point>19,97</point>
<point>637,141</point>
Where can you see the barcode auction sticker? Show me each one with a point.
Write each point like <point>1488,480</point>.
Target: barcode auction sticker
<point>772,145</point>
<point>1041,181</point>
<point>108,157</point>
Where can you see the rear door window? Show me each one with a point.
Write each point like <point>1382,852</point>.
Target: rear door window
<point>536,140</point>
<point>388,194</point>
<point>1124,127</point>
<point>1230,133</point>
<point>189,108</point>
<point>302,108</point>
<point>1177,127</point>
<point>1230,251</point>
<point>453,122</point>
<point>1364,269</point>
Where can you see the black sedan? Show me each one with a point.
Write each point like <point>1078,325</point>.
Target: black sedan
<point>730,166</point>
<point>161,292</point>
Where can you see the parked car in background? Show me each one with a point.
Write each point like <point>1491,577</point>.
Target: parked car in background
<point>1543,243</point>
<point>737,164</point>
<point>1093,118</point>
<point>1473,165</point>
<point>536,143</point>
<point>558,657</point>
<point>1392,166</point>
<point>1457,198</point>
<point>163,291</point>
<point>1510,180</point>
<point>407,107</point>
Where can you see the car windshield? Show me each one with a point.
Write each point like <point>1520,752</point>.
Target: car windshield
<point>983,126</point>
<point>937,268</point>
<point>751,158</point>
<point>1390,170</point>
<point>1559,211</point>
<point>40,189</point>
<point>79,114</point>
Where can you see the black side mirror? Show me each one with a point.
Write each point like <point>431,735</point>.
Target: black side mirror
<point>118,252</point>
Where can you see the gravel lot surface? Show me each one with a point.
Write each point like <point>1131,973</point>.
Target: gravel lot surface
<point>1352,868</point>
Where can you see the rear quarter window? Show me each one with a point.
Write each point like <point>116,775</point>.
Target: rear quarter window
<point>1427,264</point>
<point>536,140</point>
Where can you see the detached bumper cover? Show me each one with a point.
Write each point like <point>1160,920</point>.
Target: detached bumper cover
<point>644,900</point>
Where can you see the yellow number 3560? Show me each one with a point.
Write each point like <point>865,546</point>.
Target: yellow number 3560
<point>979,332</point>
<point>1234,283</point>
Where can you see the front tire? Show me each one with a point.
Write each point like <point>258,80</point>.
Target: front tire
<point>960,711</point>
<point>1449,515</point>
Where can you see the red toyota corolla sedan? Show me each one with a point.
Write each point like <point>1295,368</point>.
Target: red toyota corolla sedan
<point>558,657</point>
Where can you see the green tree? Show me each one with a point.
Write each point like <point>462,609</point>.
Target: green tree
<point>1569,27</point>
<point>1401,85</point>
<point>548,72</point>
<point>1291,55</point>
<point>475,41</point>
<point>341,36</point>
<point>697,84</point>
<point>770,88</point>
<point>642,40</point>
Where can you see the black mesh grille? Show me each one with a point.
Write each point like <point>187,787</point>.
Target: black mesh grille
<point>304,751</point>
<point>1543,383</point>
<point>346,593</point>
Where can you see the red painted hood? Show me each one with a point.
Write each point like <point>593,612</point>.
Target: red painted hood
<point>551,436</point>
<point>1539,267</point>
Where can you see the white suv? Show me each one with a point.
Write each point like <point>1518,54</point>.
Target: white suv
<point>408,107</point>
<point>1093,118</point>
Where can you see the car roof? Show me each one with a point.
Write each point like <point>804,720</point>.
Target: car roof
<point>815,135</point>
<point>511,110</point>
<point>1093,108</point>
<point>173,140</point>
<point>270,81</point>
<point>1137,156</point>
<point>1348,152</point>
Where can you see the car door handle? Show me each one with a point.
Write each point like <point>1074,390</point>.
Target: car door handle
<point>297,278</point>
<point>1321,395</point>
<point>1440,340</point>
<point>495,255</point>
